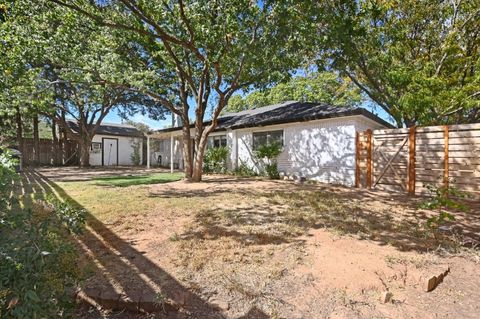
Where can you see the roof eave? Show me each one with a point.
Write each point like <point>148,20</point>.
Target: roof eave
<point>354,112</point>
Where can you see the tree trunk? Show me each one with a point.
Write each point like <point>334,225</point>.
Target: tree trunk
<point>187,152</point>
<point>63,141</point>
<point>36,141</point>
<point>55,144</point>
<point>84,147</point>
<point>18,120</point>
<point>198,164</point>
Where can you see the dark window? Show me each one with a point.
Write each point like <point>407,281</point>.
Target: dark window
<point>96,147</point>
<point>270,137</point>
<point>217,141</point>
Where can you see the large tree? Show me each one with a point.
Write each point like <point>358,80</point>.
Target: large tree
<point>62,75</point>
<point>202,52</point>
<point>417,59</point>
<point>321,87</point>
<point>86,106</point>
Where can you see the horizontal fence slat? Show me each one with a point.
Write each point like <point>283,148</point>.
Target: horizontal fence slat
<point>473,126</point>
<point>463,157</point>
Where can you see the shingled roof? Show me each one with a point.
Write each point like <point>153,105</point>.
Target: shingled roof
<point>110,129</point>
<point>287,112</point>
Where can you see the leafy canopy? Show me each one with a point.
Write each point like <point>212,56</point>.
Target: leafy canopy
<point>417,59</point>
<point>321,87</point>
<point>201,52</point>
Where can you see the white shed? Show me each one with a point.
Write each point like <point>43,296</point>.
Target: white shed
<point>318,139</point>
<point>115,144</point>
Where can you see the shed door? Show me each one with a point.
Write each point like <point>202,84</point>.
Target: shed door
<point>110,152</point>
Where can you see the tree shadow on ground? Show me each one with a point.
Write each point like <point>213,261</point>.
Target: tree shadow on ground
<point>216,185</point>
<point>123,269</point>
<point>76,174</point>
<point>385,218</point>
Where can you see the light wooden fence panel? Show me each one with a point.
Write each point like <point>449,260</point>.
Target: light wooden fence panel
<point>409,159</point>
<point>47,151</point>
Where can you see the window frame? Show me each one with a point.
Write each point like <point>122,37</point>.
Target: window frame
<point>96,147</point>
<point>268,136</point>
<point>219,138</point>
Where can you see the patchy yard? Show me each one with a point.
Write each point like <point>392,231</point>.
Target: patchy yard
<point>249,248</point>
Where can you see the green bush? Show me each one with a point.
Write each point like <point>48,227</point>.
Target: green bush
<point>271,170</point>
<point>244,170</point>
<point>7,177</point>
<point>443,199</point>
<point>270,152</point>
<point>38,264</point>
<point>136,156</point>
<point>215,160</point>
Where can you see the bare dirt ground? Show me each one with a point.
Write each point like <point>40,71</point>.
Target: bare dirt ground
<point>250,248</point>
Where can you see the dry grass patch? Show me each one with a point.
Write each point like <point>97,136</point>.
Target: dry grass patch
<point>281,249</point>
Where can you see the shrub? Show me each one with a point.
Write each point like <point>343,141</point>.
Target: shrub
<point>38,264</point>
<point>135,156</point>
<point>244,170</point>
<point>443,200</point>
<point>7,176</point>
<point>272,171</point>
<point>270,152</point>
<point>215,160</point>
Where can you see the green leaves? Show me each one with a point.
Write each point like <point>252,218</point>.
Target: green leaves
<point>417,59</point>
<point>7,177</point>
<point>215,160</point>
<point>37,263</point>
<point>195,54</point>
<point>269,152</point>
<point>445,200</point>
<point>321,87</point>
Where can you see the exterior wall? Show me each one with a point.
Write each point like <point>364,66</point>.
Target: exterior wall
<point>322,150</point>
<point>125,149</point>
<point>164,150</point>
<point>362,124</point>
<point>232,143</point>
<point>161,148</point>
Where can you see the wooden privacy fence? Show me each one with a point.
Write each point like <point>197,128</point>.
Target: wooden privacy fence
<point>47,152</point>
<point>408,159</point>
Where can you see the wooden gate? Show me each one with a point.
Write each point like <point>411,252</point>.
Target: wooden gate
<point>407,160</point>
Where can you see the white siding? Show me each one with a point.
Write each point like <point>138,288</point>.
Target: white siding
<point>125,149</point>
<point>244,149</point>
<point>161,147</point>
<point>362,124</point>
<point>322,150</point>
<point>232,144</point>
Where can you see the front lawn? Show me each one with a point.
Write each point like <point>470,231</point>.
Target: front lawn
<point>281,249</point>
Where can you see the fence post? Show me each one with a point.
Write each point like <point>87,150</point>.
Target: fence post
<point>369,158</point>
<point>411,161</point>
<point>357,159</point>
<point>446,149</point>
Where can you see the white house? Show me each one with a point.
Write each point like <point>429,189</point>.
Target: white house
<point>318,139</point>
<point>114,144</point>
